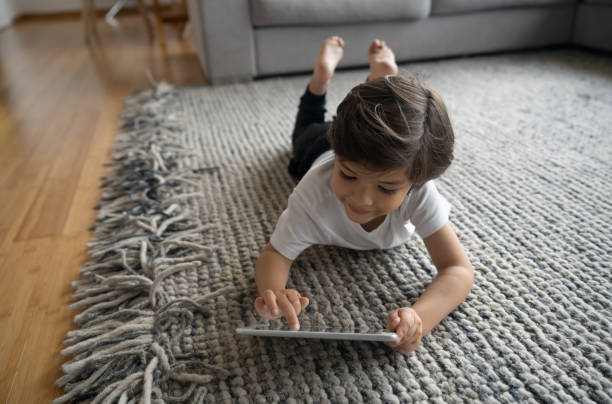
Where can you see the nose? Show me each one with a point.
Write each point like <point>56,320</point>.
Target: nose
<point>363,197</point>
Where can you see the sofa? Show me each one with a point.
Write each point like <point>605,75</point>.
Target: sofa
<point>245,39</point>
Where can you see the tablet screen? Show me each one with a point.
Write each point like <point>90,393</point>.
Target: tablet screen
<point>318,327</point>
<point>319,331</point>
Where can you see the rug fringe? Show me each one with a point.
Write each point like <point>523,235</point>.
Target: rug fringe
<point>143,236</point>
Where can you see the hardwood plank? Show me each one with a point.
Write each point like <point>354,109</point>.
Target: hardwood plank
<point>87,195</point>
<point>16,201</point>
<point>59,106</point>
<point>21,281</point>
<point>40,358</point>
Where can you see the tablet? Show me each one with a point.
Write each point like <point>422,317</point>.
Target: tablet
<point>319,332</point>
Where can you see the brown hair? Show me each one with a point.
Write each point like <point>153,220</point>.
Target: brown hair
<point>394,122</point>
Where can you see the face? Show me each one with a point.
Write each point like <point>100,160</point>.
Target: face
<point>367,195</point>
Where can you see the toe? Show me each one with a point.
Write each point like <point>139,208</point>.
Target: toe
<point>373,46</point>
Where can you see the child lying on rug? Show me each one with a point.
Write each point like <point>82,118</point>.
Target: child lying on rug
<point>366,183</point>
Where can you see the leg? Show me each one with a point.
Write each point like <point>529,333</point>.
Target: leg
<point>311,143</point>
<point>329,56</point>
<point>309,135</point>
<point>311,111</point>
<point>382,60</point>
<point>312,103</point>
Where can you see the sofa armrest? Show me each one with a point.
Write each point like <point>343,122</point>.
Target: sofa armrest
<point>223,36</point>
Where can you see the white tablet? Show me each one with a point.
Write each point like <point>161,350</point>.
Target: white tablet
<point>309,331</point>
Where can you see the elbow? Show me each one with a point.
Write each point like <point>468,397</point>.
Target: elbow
<point>464,275</point>
<point>469,275</point>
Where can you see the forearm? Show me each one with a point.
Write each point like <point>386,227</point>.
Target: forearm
<point>448,289</point>
<point>271,270</point>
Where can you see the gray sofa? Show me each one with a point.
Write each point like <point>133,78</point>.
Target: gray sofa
<point>243,39</point>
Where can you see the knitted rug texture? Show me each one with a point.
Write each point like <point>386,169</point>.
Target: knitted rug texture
<point>198,179</point>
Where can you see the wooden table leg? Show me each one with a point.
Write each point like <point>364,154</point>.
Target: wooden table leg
<point>159,23</point>
<point>143,11</point>
<point>85,14</point>
<point>93,18</point>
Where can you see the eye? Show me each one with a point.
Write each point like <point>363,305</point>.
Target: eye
<point>346,176</point>
<point>387,191</point>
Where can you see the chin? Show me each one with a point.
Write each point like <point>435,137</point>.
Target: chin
<point>359,219</point>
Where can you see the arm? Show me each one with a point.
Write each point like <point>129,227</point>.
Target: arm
<point>271,270</point>
<point>271,276</point>
<point>448,289</point>
<point>453,282</point>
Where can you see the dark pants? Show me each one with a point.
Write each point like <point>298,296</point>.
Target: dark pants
<point>309,138</point>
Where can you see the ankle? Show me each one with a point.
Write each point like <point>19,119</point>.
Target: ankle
<point>317,87</point>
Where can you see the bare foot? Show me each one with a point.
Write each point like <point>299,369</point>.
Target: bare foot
<point>382,60</point>
<point>330,54</point>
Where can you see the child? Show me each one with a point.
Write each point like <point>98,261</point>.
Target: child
<point>373,189</point>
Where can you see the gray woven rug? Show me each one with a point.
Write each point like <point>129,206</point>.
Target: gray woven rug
<point>199,178</point>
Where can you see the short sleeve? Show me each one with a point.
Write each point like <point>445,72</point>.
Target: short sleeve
<point>427,210</point>
<point>294,229</point>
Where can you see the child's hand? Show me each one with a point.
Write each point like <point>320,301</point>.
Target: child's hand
<point>286,302</point>
<point>407,324</point>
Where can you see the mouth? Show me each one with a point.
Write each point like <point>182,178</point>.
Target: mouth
<point>358,211</point>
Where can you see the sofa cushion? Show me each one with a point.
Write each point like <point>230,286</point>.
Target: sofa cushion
<point>318,12</point>
<point>464,6</point>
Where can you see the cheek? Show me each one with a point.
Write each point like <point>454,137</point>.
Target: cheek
<point>392,202</point>
<point>342,189</point>
<point>337,187</point>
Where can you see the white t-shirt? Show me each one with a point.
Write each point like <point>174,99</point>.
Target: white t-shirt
<point>314,215</point>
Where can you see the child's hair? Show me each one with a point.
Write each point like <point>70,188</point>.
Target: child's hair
<point>394,122</point>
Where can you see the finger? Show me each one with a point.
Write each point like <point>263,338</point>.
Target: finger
<point>408,347</point>
<point>303,301</point>
<point>418,333</point>
<point>261,307</point>
<point>406,315</point>
<point>270,299</point>
<point>288,311</point>
<point>297,306</point>
<point>414,333</point>
<point>392,320</point>
<point>405,346</point>
<point>416,326</point>
<point>294,298</point>
<point>394,344</point>
<point>413,344</point>
<point>405,324</point>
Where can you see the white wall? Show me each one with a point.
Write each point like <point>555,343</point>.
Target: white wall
<point>8,12</point>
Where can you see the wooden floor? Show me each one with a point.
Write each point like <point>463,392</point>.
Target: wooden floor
<point>59,105</point>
